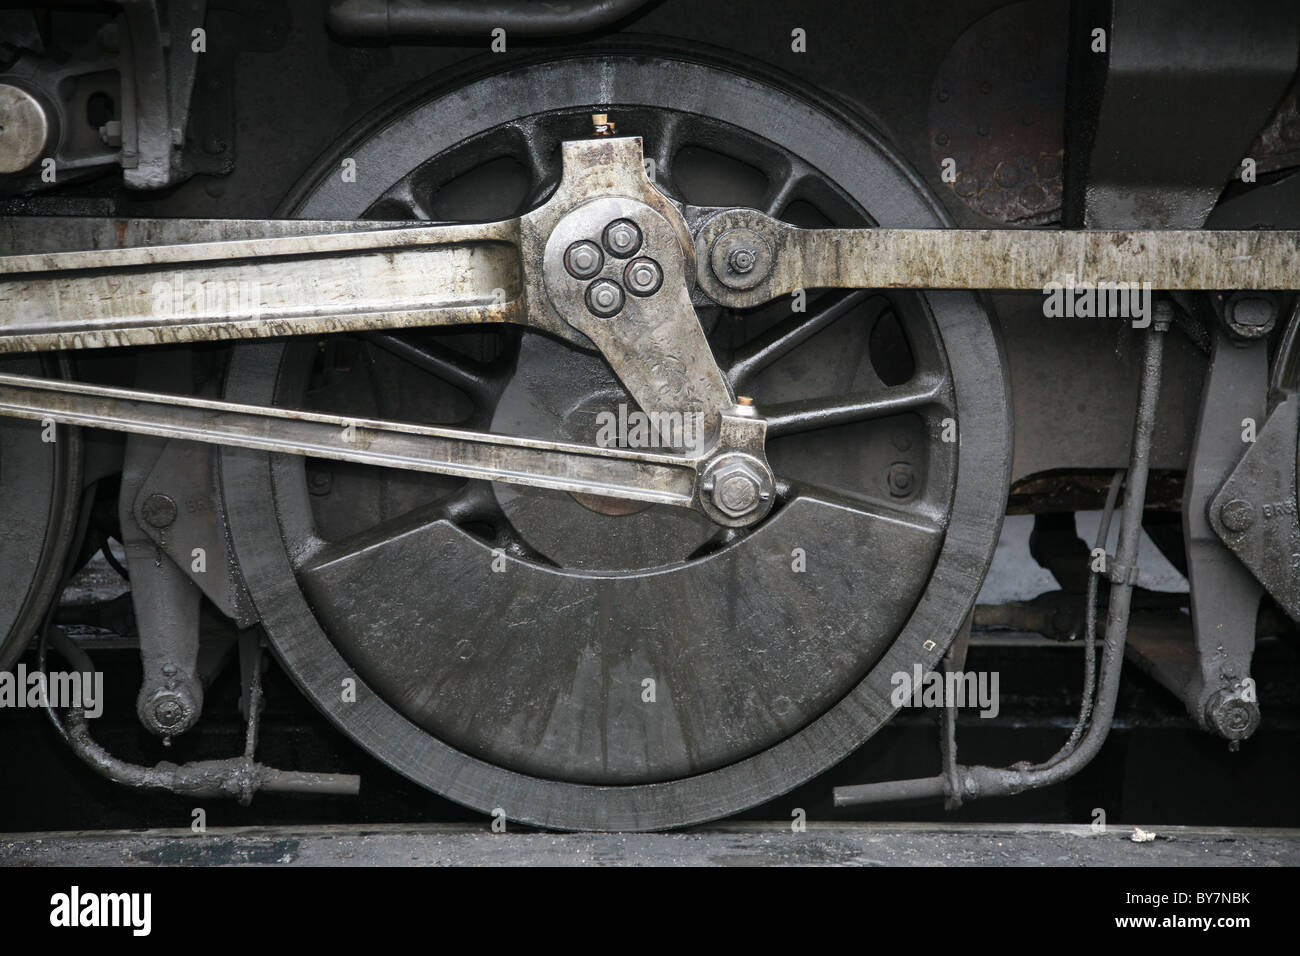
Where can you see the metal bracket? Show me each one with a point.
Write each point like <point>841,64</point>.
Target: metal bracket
<point>179,507</point>
<point>1224,596</point>
<point>1254,513</point>
<point>150,48</point>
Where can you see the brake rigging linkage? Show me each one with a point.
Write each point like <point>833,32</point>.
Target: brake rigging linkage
<point>957,783</point>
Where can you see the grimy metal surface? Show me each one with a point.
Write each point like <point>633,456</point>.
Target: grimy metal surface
<point>257,288</point>
<point>615,472</point>
<point>519,270</point>
<point>792,738</point>
<point>725,845</point>
<point>513,271</point>
<point>444,275</point>
<point>506,271</point>
<point>1000,259</point>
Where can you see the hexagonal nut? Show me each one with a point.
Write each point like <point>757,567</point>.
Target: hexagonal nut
<point>737,489</point>
<point>604,298</point>
<point>643,276</point>
<point>171,710</point>
<point>111,134</point>
<point>741,258</point>
<point>584,259</point>
<point>622,238</point>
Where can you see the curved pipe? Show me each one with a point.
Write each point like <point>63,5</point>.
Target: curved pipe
<point>239,777</point>
<point>975,782</point>
<point>460,18</point>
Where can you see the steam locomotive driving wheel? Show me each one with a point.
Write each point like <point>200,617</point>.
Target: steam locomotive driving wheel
<point>588,663</point>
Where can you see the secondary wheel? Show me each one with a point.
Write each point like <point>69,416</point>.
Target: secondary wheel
<point>575,662</point>
<point>40,487</point>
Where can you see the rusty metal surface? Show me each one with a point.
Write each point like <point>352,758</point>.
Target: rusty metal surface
<point>997,110</point>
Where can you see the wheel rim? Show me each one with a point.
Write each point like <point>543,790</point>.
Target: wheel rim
<point>39,486</point>
<point>479,762</point>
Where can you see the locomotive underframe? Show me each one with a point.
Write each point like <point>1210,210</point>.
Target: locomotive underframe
<point>507,272</point>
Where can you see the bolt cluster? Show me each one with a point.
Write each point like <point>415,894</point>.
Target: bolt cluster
<point>605,296</point>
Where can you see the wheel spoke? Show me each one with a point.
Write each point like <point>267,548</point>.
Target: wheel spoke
<point>785,418</point>
<point>782,192</point>
<point>404,196</point>
<point>788,335</point>
<point>531,145</point>
<point>666,143</point>
<point>481,381</point>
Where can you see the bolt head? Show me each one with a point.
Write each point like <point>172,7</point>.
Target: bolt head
<point>901,480</point>
<point>736,494</point>
<point>735,488</point>
<point>604,298</point>
<point>622,238</point>
<point>643,276</point>
<point>584,259</point>
<point>1251,315</point>
<point>168,712</point>
<point>1237,515</point>
<point>158,510</point>
<point>1232,717</point>
<point>742,259</point>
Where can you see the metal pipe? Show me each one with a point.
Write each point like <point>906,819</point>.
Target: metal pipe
<point>1003,781</point>
<point>1090,625</point>
<point>432,19</point>
<point>238,777</point>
